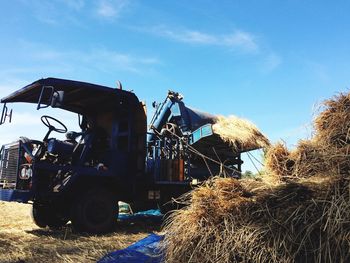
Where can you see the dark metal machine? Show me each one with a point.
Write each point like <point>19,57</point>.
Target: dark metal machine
<point>109,159</point>
<point>183,138</point>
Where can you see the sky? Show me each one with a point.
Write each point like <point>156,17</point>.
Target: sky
<point>272,62</point>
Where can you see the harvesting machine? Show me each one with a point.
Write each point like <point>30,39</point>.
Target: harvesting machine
<point>112,157</point>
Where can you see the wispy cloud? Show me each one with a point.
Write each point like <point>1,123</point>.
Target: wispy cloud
<point>28,123</point>
<point>186,36</point>
<point>241,39</point>
<point>110,9</point>
<point>56,12</point>
<point>38,57</point>
<point>45,12</point>
<point>109,60</point>
<point>237,40</point>
<point>271,62</point>
<point>72,12</point>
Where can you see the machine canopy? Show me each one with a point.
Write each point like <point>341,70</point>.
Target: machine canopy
<point>79,97</point>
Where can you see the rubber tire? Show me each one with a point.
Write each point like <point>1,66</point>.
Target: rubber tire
<point>45,215</point>
<point>95,211</point>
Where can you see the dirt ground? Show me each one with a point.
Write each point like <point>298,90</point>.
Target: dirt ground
<point>22,241</point>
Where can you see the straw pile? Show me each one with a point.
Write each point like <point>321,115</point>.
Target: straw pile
<point>241,134</point>
<point>333,123</point>
<point>303,216</point>
<point>278,157</point>
<point>328,152</point>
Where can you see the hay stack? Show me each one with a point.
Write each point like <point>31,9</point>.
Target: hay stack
<point>332,125</point>
<point>303,217</point>
<point>292,222</point>
<point>279,160</point>
<point>328,152</point>
<point>332,128</point>
<point>241,134</point>
<point>310,159</point>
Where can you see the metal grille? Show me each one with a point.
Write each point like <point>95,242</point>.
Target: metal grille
<point>9,163</point>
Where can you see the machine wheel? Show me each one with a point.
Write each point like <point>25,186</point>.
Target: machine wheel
<point>45,215</point>
<point>95,211</point>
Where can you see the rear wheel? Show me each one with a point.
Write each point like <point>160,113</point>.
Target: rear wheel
<point>95,211</point>
<point>46,215</point>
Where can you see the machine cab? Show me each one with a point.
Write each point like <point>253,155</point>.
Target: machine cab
<point>110,142</point>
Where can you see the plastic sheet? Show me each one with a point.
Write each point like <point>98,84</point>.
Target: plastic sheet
<point>144,251</point>
<point>149,215</point>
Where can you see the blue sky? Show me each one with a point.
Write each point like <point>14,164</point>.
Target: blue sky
<point>267,61</point>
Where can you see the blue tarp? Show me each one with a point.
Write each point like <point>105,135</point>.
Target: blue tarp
<point>153,215</point>
<point>144,251</point>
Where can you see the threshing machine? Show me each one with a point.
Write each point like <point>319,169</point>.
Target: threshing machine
<point>112,157</point>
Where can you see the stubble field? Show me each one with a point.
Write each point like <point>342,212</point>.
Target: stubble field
<point>22,241</point>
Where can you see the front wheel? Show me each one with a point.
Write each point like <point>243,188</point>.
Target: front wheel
<point>95,211</point>
<point>46,215</point>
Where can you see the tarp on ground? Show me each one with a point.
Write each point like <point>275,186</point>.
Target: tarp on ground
<point>144,251</point>
<point>153,215</point>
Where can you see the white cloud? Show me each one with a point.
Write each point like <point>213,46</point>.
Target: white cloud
<point>73,12</point>
<point>186,36</point>
<point>37,58</point>
<point>21,119</point>
<point>54,13</point>
<point>109,60</point>
<point>271,62</point>
<point>28,124</point>
<point>238,40</point>
<point>23,124</point>
<point>52,61</point>
<point>110,8</point>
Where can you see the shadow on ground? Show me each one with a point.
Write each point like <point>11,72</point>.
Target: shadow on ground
<point>124,228</point>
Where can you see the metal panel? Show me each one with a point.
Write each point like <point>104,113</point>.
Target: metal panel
<point>9,165</point>
<point>204,131</point>
<point>15,195</point>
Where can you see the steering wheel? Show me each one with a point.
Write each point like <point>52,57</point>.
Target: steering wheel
<point>46,120</point>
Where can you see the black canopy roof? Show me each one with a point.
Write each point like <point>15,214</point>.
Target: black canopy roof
<point>79,97</point>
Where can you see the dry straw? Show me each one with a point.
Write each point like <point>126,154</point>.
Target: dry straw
<point>332,125</point>
<point>278,159</point>
<point>22,241</point>
<point>293,222</point>
<point>304,216</point>
<point>241,134</point>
